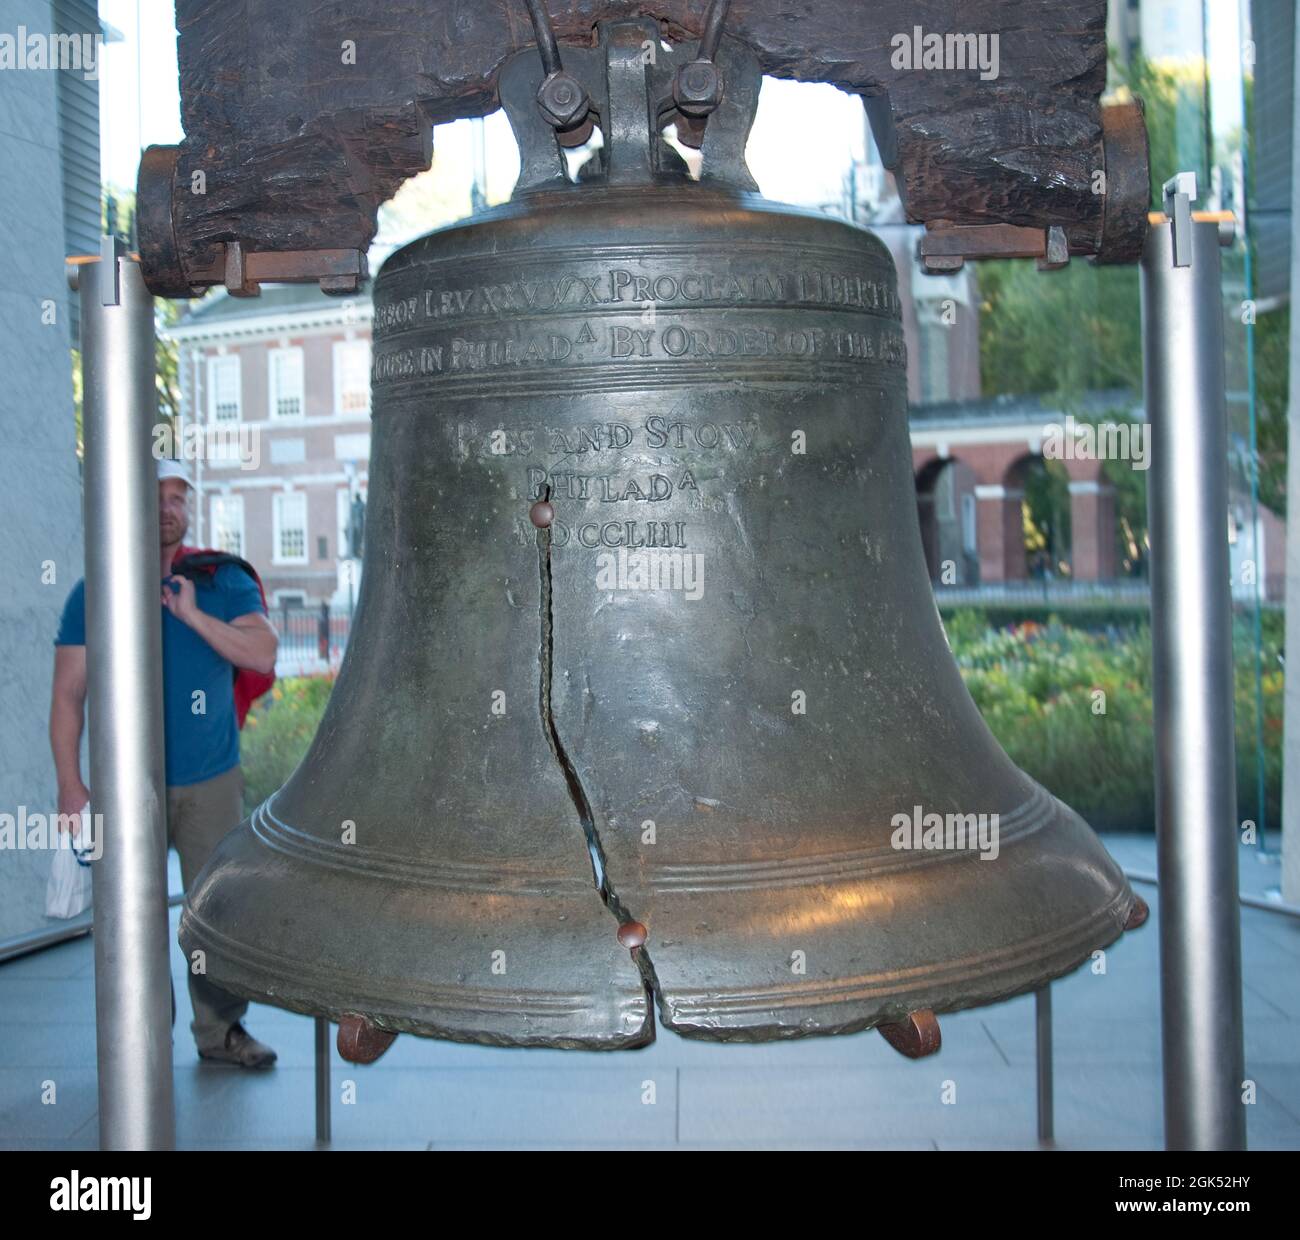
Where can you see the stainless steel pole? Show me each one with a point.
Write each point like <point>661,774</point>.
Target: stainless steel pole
<point>124,673</point>
<point>322,1080</point>
<point>1043,1049</point>
<point>1196,828</point>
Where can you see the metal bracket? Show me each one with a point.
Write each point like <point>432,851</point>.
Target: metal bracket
<point>243,272</point>
<point>111,250</point>
<point>698,84</point>
<point>945,247</point>
<point>562,100</point>
<point>1179,192</point>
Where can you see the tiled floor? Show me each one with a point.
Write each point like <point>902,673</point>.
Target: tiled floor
<point>837,1092</point>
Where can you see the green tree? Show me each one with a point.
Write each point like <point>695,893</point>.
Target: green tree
<point>1062,333</point>
<point>1272,392</point>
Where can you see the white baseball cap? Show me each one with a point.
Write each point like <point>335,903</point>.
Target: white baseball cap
<point>167,468</point>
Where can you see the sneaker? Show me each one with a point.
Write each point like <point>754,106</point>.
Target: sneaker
<point>240,1048</point>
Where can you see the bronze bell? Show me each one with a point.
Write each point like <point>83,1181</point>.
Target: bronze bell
<point>645,599</point>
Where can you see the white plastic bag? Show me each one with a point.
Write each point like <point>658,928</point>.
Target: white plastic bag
<point>67,892</point>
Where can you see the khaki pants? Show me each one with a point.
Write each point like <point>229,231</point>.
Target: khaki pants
<point>198,816</point>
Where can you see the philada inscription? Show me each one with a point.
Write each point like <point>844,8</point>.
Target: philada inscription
<point>598,488</point>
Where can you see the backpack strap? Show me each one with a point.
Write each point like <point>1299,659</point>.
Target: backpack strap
<point>200,565</point>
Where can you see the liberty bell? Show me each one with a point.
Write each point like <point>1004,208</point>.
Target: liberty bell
<point>648,707</point>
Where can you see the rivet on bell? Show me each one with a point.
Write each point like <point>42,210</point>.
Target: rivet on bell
<point>541,514</point>
<point>632,934</point>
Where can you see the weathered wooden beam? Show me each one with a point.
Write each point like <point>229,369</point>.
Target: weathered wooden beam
<point>301,120</point>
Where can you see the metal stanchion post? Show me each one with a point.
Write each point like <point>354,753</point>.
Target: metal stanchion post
<point>1196,829</point>
<point>322,1080</point>
<point>124,672</point>
<point>1043,1048</point>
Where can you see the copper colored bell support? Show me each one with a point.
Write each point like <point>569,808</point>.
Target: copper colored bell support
<point>361,1041</point>
<point>916,1037</point>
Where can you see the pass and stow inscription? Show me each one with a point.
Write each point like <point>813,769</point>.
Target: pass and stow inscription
<point>617,509</point>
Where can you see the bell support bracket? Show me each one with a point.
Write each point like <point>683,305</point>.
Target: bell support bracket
<point>915,1037</point>
<point>360,1040</point>
<point>287,158</point>
<point>633,97</point>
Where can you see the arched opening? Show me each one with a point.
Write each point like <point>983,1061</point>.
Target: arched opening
<point>945,502</point>
<point>1038,505</point>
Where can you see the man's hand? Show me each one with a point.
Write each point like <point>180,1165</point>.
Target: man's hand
<point>67,713</point>
<point>180,601</point>
<point>246,641</point>
<point>72,800</point>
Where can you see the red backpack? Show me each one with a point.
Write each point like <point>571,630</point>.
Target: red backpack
<point>196,562</point>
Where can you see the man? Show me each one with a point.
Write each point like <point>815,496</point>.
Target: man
<point>207,632</point>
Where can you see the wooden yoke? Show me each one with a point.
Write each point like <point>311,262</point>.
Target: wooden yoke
<point>301,120</point>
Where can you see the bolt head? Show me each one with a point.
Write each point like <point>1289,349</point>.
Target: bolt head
<point>562,100</point>
<point>697,88</point>
<point>541,514</point>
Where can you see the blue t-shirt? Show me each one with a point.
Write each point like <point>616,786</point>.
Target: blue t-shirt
<point>201,733</point>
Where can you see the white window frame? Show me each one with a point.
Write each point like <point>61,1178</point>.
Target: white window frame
<point>219,502</point>
<point>278,527</point>
<point>231,361</point>
<point>342,511</point>
<point>280,597</point>
<point>358,344</point>
<point>969,523</point>
<point>273,395</point>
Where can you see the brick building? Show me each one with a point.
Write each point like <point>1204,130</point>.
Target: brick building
<point>285,378</point>
<point>972,461</point>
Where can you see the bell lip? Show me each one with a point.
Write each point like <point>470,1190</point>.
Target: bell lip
<point>277,987</point>
<point>281,987</point>
<point>990,988</point>
<point>670,1017</point>
<point>594,999</point>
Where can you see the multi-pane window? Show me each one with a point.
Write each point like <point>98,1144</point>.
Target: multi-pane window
<point>284,369</point>
<point>223,388</point>
<point>352,376</point>
<point>290,532</point>
<point>228,523</point>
